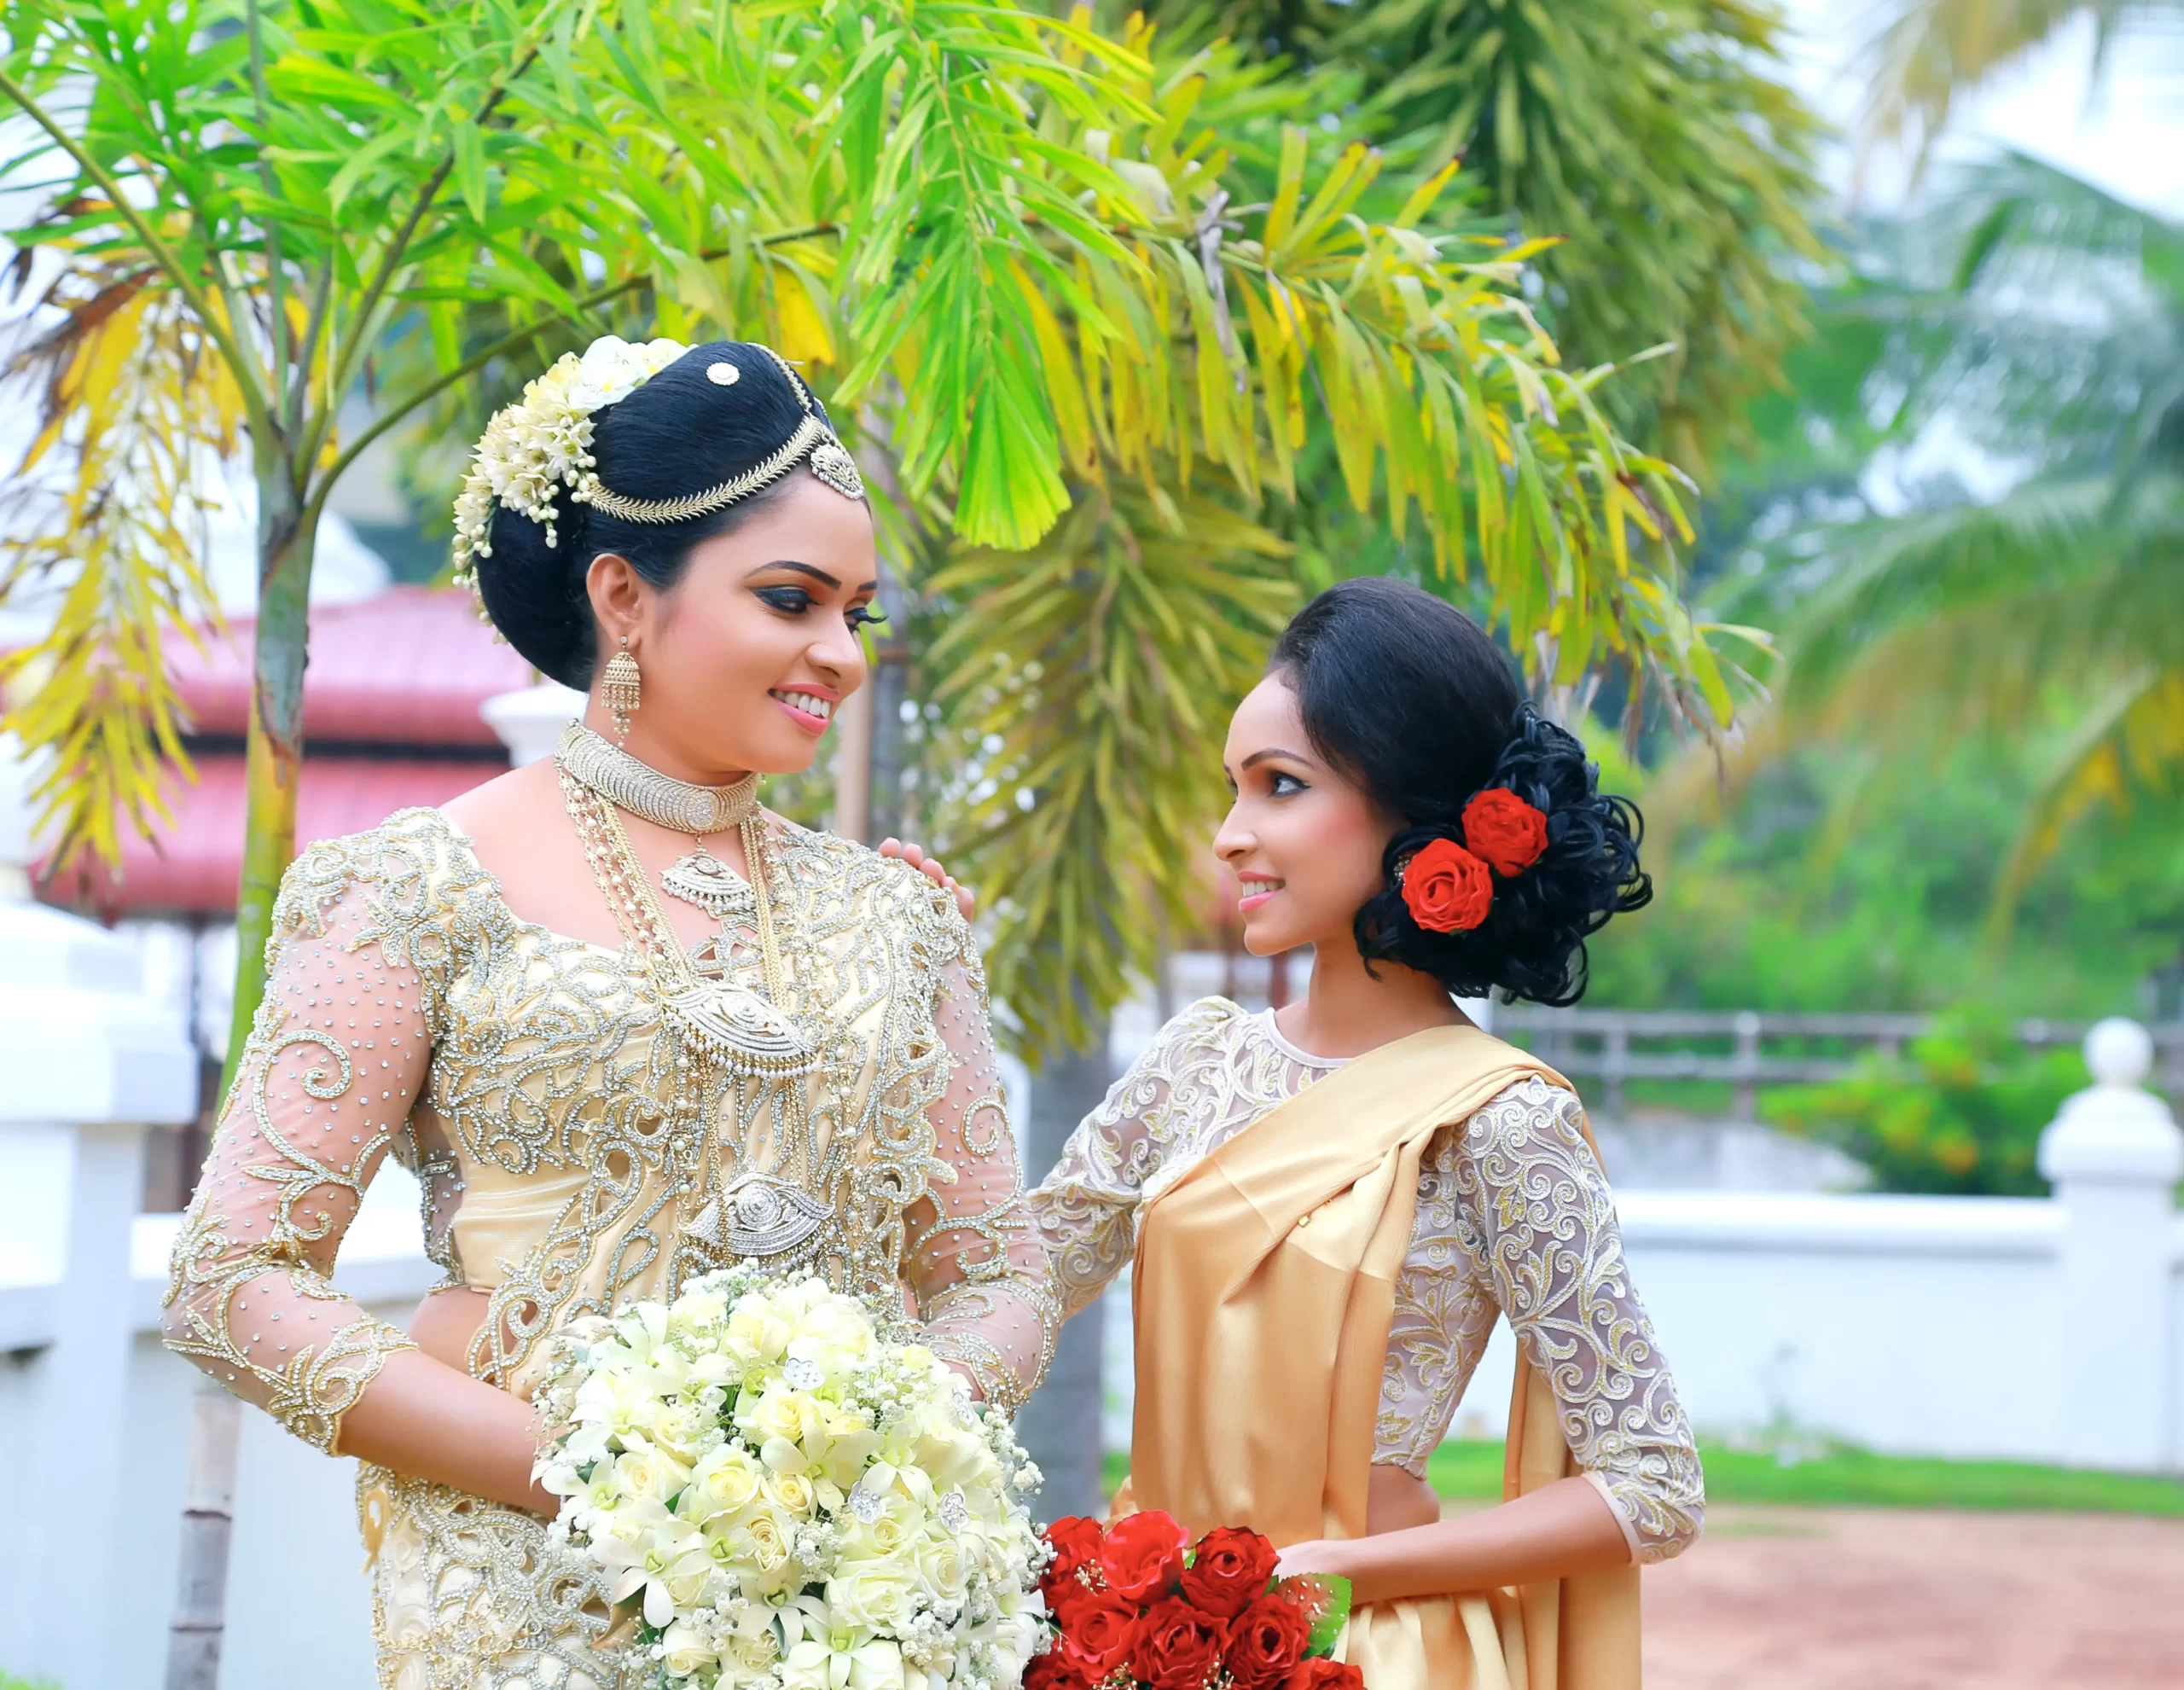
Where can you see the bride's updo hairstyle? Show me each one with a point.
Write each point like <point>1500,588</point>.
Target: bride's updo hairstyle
<point>1506,855</point>
<point>687,429</point>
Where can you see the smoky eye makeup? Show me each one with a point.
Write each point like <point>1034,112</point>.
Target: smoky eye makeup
<point>792,601</point>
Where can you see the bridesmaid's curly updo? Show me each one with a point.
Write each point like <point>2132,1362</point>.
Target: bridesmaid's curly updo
<point>685,429</point>
<point>1505,855</point>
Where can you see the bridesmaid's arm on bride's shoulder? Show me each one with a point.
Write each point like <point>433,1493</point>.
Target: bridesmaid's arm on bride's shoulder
<point>935,871</point>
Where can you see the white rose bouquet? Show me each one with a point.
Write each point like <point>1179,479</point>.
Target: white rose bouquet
<point>799,1502</point>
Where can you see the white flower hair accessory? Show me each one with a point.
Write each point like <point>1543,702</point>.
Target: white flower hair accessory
<point>543,442</point>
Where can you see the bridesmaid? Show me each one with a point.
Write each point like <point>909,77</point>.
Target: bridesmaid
<point>1329,1206</point>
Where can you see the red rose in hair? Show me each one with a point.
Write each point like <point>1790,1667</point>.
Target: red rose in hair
<point>1448,890</point>
<point>1506,832</point>
<point>1097,1632</point>
<point>1076,1544</point>
<point>1142,1553</point>
<point>1054,1670</point>
<point>1175,1647</point>
<point>1229,1571</point>
<point>1323,1675</point>
<point>1266,1643</point>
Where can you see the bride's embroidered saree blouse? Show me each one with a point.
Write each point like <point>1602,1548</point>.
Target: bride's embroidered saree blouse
<point>1514,1217</point>
<point>568,1162</point>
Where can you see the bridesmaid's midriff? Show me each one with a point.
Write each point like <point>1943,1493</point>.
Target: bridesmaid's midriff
<point>1397,1500</point>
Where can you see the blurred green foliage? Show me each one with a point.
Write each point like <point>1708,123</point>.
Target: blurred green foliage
<point>1833,880</point>
<point>1959,1114</point>
<point>1657,142</point>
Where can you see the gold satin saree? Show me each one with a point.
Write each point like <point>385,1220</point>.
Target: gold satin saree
<point>1263,1291</point>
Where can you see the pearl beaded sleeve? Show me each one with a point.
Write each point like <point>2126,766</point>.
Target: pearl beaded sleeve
<point>975,1264</point>
<point>337,1054</point>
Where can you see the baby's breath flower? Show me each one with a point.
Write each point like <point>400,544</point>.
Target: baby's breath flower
<point>533,448</point>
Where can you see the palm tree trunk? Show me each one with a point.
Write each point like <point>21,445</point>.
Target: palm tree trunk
<point>272,764</point>
<point>273,760</point>
<point>201,1599</point>
<point>1060,1426</point>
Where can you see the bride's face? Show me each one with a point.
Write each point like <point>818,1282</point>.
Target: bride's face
<point>1303,842</point>
<point>746,658</point>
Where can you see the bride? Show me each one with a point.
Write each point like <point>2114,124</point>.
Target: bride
<point>1329,1206</point>
<point>624,1024</point>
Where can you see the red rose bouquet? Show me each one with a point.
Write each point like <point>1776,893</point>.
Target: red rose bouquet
<point>1136,1606</point>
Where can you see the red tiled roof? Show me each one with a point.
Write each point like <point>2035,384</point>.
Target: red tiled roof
<point>409,666</point>
<point>192,866</point>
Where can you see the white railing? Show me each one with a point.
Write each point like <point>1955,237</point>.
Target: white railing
<point>1748,1048</point>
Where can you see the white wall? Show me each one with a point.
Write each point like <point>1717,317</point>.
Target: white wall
<point>296,1584</point>
<point>1926,1326</point>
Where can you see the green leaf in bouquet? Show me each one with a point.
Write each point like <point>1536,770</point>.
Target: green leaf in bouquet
<point>1325,1599</point>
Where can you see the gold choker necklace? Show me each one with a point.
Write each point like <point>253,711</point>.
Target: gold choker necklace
<point>643,791</point>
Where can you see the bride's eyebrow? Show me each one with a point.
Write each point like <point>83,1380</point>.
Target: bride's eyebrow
<point>1259,757</point>
<point>810,569</point>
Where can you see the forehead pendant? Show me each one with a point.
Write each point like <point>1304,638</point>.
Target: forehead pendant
<point>833,465</point>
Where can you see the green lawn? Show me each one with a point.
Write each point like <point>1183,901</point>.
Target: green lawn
<point>1845,1476</point>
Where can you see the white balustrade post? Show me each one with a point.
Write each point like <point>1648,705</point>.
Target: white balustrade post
<point>530,722</point>
<point>90,1061</point>
<point>2114,1155</point>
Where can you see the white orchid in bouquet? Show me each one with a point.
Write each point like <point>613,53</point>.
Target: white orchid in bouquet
<point>798,1501</point>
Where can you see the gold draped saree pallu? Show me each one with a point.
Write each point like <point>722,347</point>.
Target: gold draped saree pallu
<point>1263,1291</point>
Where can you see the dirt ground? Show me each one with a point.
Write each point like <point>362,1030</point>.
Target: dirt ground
<point>1853,1599</point>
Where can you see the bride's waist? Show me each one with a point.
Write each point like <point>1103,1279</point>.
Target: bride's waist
<point>498,1226</point>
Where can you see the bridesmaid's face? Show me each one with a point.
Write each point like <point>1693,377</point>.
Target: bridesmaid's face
<point>1303,843</point>
<point>745,657</point>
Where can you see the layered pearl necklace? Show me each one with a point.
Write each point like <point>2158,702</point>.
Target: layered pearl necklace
<point>599,780</point>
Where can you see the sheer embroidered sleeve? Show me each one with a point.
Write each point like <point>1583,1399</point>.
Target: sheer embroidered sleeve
<point>1087,1207</point>
<point>975,1261</point>
<point>337,1054</point>
<point>1531,1195</point>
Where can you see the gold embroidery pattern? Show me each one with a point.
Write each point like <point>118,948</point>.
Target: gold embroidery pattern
<point>1514,1215</point>
<point>409,1013</point>
<point>471,1593</point>
<point>1538,1213</point>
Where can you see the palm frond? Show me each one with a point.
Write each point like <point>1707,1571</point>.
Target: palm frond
<point>1922,55</point>
<point>107,517</point>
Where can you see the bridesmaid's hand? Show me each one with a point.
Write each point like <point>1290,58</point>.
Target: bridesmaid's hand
<point>1325,1555</point>
<point>933,870</point>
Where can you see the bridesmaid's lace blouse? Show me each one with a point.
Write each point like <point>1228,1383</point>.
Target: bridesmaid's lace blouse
<point>568,1162</point>
<point>1514,1217</point>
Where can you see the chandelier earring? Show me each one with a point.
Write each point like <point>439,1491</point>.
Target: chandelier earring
<point>621,689</point>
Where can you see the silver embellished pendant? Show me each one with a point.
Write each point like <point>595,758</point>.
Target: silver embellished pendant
<point>739,1028</point>
<point>702,878</point>
<point>759,1218</point>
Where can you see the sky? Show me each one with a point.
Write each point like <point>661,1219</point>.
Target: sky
<point>2126,135</point>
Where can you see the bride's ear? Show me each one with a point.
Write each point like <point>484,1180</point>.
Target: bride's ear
<point>619,595</point>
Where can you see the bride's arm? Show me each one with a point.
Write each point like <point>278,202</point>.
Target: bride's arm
<point>337,1057</point>
<point>1537,1212</point>
<point>973,1260</point>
